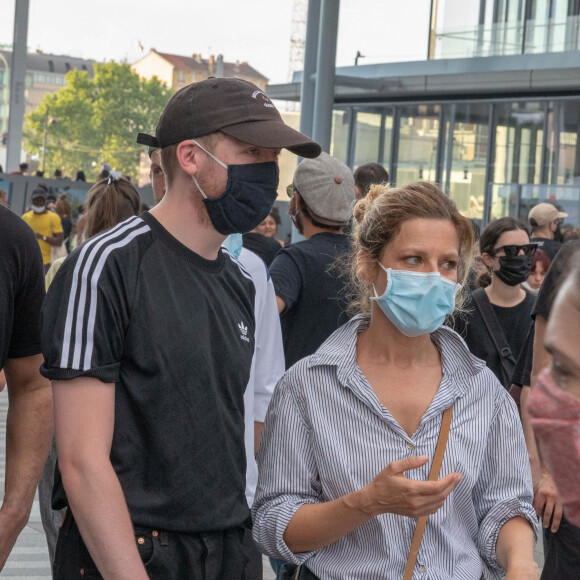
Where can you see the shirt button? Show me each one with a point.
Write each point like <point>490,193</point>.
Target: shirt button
<point>410,446</point>
<point>155,534</point>
<point>141,540</point>
<point>422,569</point>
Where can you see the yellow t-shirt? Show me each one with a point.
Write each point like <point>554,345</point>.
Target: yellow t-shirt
<point>46,224</point>
<point>52,272</point>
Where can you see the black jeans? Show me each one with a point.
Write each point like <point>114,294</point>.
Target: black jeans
<point>166,555</point>
<point>561,552</point>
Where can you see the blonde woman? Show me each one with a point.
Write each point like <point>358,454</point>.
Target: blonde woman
<point>351,431</point>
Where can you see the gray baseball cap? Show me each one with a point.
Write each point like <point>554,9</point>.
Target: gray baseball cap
<point>327,187</point>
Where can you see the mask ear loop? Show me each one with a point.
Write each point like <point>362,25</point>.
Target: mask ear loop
<point>214,158</point>
<point>377,296</point>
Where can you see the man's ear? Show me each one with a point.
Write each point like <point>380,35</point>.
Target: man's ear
<point>188,155</point>
<point>366,268</point>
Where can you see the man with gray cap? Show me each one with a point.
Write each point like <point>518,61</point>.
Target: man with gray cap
<point>310,299</point>
<point>545,220</point>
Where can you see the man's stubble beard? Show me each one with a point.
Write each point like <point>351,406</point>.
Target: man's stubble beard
<point>211,182</point>
<point>292,211</point>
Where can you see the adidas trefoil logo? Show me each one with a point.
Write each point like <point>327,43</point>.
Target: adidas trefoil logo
<point>244,330</point>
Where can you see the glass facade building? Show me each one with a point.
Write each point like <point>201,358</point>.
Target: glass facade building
<point>493,157</point>
<point>476,28</point>
<point>492,114</point>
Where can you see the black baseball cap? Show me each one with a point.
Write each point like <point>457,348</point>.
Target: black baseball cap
<point>39,191</point>
<point>233,106</point>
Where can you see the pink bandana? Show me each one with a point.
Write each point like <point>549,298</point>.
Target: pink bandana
<point>555,417</point>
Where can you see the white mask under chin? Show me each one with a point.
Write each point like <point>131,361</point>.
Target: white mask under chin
<point>37,209</point>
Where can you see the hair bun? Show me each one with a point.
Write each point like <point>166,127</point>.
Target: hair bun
<point>364,205</point>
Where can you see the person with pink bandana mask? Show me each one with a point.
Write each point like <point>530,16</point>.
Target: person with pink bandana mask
<point>553,406</point>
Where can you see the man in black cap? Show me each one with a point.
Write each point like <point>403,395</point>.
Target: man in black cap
<point>310,298</point>
<point>148,337</point>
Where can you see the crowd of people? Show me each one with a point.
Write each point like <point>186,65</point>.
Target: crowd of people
<point>395,396</point>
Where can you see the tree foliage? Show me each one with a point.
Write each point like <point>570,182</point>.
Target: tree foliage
<point>94,121</point>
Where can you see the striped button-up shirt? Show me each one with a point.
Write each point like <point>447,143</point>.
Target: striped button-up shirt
<point>327,435</point>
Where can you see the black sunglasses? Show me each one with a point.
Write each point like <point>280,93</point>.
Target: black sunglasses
<point>512,251</point>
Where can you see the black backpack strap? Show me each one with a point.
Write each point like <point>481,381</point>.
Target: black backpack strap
<point>508,362</point>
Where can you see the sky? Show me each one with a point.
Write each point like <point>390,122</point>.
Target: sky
<point>256,31</point>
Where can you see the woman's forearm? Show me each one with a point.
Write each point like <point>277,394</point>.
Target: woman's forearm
<point>315,526</point>
<point>515,545</point>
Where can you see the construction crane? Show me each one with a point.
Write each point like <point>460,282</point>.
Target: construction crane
<point>297,41</point>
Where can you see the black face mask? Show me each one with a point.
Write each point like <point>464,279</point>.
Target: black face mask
<point>514,271</point>
<point>249,196</point>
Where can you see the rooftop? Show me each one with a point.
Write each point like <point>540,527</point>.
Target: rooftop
<point>197,64</point>
<point>53,63</point>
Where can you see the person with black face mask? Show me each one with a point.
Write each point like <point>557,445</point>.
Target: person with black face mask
<point>545,221</point>
<point>148,337</point>
<point>498,317</point>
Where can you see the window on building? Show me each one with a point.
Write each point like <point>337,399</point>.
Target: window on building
<point>181,77</point>
<point>418,137</point>
<point>51,66</point>
<point>340,134</point>
<point>517,156</point>
<point>466,134</point>
<point>563,143</point>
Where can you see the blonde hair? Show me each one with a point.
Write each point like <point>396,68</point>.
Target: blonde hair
<point>378,219</point>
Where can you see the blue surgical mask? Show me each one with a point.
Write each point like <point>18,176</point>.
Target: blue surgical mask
<point>250,194</point>
<point>233,244</point>
<point>416,302</point>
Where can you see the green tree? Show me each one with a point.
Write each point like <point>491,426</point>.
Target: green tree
<point>94,121</point>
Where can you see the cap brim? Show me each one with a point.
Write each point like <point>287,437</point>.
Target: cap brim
<point>273,135</point>
<point>149,140</point>
<point>562,215</point>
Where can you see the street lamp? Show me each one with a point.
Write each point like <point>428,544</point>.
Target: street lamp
<point>48,121</point>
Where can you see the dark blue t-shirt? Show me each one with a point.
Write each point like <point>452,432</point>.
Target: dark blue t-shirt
<point>315,298</point>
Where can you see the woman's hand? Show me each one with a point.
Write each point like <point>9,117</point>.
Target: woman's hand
<point>315,526</point>
<point>392,492</point>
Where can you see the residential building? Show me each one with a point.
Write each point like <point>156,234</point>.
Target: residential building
<point>178,71</point>
<point>492,113</point>
<point>45,73</point>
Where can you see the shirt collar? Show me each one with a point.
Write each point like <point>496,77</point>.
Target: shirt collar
<point>340,350</point>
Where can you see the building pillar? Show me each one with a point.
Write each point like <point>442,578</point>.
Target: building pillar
<point>17,85</point>
<point>309,68</point>
<point>325,73</point>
